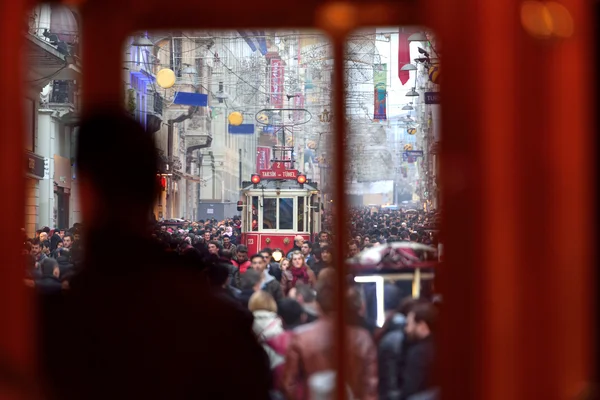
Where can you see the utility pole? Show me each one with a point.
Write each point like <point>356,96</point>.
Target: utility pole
<point>170,166</point>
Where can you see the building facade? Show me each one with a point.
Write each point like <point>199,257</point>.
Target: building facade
<point>51,107</point>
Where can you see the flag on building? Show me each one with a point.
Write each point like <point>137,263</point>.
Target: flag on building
<point>263,158</point>
<point>380,86</point>
<point>256,40</point>
<point>403,56</point>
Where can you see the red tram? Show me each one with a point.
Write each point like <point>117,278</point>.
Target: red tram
<point>277,205</point>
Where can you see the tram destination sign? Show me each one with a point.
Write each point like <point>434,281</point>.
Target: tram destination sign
<point>278,174</point>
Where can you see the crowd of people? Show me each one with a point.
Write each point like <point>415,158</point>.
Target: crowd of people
<point>132,309</point>
<point>291,300</point>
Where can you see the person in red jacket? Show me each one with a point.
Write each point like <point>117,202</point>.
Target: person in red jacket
<point>241,260</point>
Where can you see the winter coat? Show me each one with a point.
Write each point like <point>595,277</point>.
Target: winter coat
<point>244,296</point>
<point>271,286</point>
<point>54,240</point>
<point>390,358</point>
<point>275,270</point>
<point>267,325</point>
<point>319,266</point>
<point>234,275</point>
<point>418,368</point>
<point>122,343</point>
<point>232,248</point>
<point>310,352</point>
<point>65,267</point>
<point>48,285</point>
<point>275,341</point>
<point>243,266</point>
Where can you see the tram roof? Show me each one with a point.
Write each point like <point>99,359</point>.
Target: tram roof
<point>279,184</point>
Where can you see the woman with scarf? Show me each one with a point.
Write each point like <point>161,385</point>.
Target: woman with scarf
<point>297,271</point>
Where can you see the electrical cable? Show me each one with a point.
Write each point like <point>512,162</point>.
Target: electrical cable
<point>49,76</point>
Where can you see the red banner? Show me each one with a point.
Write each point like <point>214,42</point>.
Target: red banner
<point>263,158</point>
<point>403,56</point>
<point>277,81</point>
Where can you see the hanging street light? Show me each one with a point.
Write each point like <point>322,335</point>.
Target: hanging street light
<point>408,67</point>
<point>142,41</point>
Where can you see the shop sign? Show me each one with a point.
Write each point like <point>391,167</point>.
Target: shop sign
<point>34,165</point>
<point>432,97</point>
<point>412,153</point>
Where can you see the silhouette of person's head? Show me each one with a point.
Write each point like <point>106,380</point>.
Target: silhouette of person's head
<point>117,164</point>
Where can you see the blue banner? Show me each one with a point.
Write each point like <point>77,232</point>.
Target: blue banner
<point>256,40</point>
<point>191,99</point>
<point>243,129</point>
<point>411,155</point>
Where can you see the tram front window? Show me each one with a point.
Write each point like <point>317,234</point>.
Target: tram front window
<point>254,213</point>
<point>286,213</point>
<point>301,214</point>
<point>270,214</point>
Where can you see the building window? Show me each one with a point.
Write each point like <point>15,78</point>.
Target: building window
<point>301,214</point>
<point>30,114</point>
<point>63,92</point>
<point>177,54</point>
<point>254,214</point>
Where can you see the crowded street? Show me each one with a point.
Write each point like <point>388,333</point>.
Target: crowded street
<point>231,218</point>
<point>290,296</point>
<point>303,200</point>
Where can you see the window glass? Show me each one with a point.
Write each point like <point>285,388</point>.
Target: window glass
<point>269,213</point>
<point>301,214</point>
<point>254,214</point>
<point>286,213</point>
<point>29,125</point>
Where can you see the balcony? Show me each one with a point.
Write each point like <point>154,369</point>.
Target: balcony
<point>46,63</point>
<point>63,92</point>
<point>198,134</point>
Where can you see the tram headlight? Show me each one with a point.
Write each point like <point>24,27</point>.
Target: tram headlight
<point>301,179</point>
<point>255,179</point>
<point>277,255</point>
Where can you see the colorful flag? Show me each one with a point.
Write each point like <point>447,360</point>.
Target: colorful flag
<point>380,87</point>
